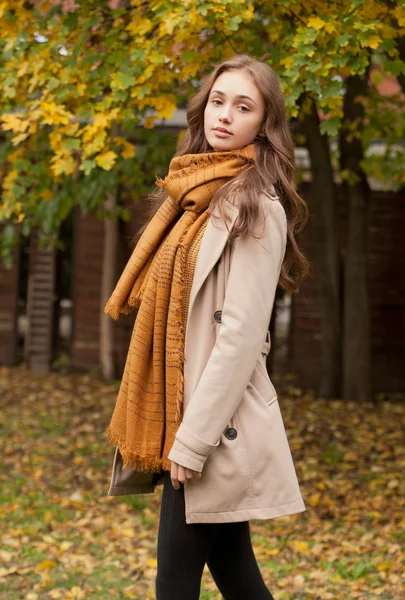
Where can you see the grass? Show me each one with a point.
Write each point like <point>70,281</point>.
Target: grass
<point>62,537</point>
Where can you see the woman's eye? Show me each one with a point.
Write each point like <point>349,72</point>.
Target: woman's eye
<point>218,102</point>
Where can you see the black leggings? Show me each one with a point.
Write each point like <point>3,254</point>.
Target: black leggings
<point>183,549</point>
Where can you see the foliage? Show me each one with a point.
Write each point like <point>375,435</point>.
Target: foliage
<point>319,44</point>
<point>72,74</point>
<point>63,538</point>
<point>69,78</point>
<point>385,123</point>
<point>316,46</point>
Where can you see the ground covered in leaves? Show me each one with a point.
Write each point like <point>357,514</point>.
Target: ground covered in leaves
<point>62,537</point>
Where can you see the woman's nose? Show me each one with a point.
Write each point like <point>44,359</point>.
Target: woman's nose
<point>225,115</point>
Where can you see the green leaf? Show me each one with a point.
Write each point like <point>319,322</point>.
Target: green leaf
<point>330,126</point>
<point>234,23</point>
<point>395,67</point>
<point>126,80</point>
<point>71,143</point>
<point>87,166</point>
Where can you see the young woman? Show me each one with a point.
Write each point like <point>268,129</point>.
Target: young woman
<point>196,409</point>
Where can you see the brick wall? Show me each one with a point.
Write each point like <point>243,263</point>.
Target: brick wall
<point>387,297</point>
<point>86,285</point>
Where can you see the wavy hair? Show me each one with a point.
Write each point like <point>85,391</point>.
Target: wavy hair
<point>273,166</point>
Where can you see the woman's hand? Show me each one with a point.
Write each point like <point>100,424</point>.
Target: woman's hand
<point>179,474</point>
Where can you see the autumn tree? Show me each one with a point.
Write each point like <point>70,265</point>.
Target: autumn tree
<point>324,52</point>
<point>78,77</point>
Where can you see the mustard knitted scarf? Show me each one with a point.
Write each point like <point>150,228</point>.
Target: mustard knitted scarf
<point>157,279</point>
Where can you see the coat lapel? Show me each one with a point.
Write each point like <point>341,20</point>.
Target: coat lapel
<point>212,244</point>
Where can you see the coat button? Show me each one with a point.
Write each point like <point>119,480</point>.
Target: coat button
<point>231,433</point>
<point>218,316</point>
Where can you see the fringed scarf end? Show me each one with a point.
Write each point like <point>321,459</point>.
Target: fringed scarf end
<point>112,309</point>
<point>131,460</point>
<point>112,436</point>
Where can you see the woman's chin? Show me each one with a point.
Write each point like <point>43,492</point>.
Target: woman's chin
<point>222,146</point>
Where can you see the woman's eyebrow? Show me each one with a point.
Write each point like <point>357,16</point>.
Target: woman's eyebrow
<point>238,96</point>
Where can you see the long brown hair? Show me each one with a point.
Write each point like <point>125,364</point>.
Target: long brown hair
<point>274,164</point>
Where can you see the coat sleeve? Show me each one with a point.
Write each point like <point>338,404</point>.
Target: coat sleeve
<point>246,312</point>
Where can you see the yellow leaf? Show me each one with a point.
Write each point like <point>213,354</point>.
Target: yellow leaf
<point>47,195</point>
<point>152,562</point>
<point>384,566</point>
<point>47,564</point>
<point>168,26</point>
<point>14,123</point>
<point>350,456</point>
<point>63,163</point>
<point>300,546</point>
<point>106,160</point>
<point>167,110</point>
<point>22,69</point>
<point>149,122</point>
<point>128,532</point>
<point>330,27</point>
<point>287,62</point>
<point>316,23</point>
<point>314,499</point>
<point>17,139</point>
<point>65,546</point>
<point>373,42</point>
<point>128,151</point>
<point>101,120</point>
<point>140,27</point>
<point>399,12</point>
<point>273,551</point>
<point>76,593</point>
<point>52,114</point>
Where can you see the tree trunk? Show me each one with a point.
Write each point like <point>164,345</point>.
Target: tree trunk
<point>9,293</point>
<point>401,49</point>
<point>356,329</point>
<point>107,286</point>
<point>323,217</point>
<point>38,350</point>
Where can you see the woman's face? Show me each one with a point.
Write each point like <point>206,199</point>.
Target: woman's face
<point>236,105</point>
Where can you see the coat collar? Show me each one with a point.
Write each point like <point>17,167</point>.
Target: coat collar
<point>212,244</point>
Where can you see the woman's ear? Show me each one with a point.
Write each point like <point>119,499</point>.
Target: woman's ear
<point>262,134</point>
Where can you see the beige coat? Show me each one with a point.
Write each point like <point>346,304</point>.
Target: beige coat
<point>232,429</point>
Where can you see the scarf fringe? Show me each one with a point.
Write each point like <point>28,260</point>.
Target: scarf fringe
<point>112,309</point>
<point>132,460</point>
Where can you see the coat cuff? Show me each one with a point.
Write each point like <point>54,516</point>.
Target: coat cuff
<point>189,450</point>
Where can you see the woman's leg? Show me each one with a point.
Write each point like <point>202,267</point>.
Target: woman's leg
<point>233,564</point>
<point>182,548</point>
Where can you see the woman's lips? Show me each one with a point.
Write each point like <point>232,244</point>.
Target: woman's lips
<point>222,134</point>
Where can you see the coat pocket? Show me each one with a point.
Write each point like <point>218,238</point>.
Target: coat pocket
<point>262,383</point>
<point>267,399</point>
